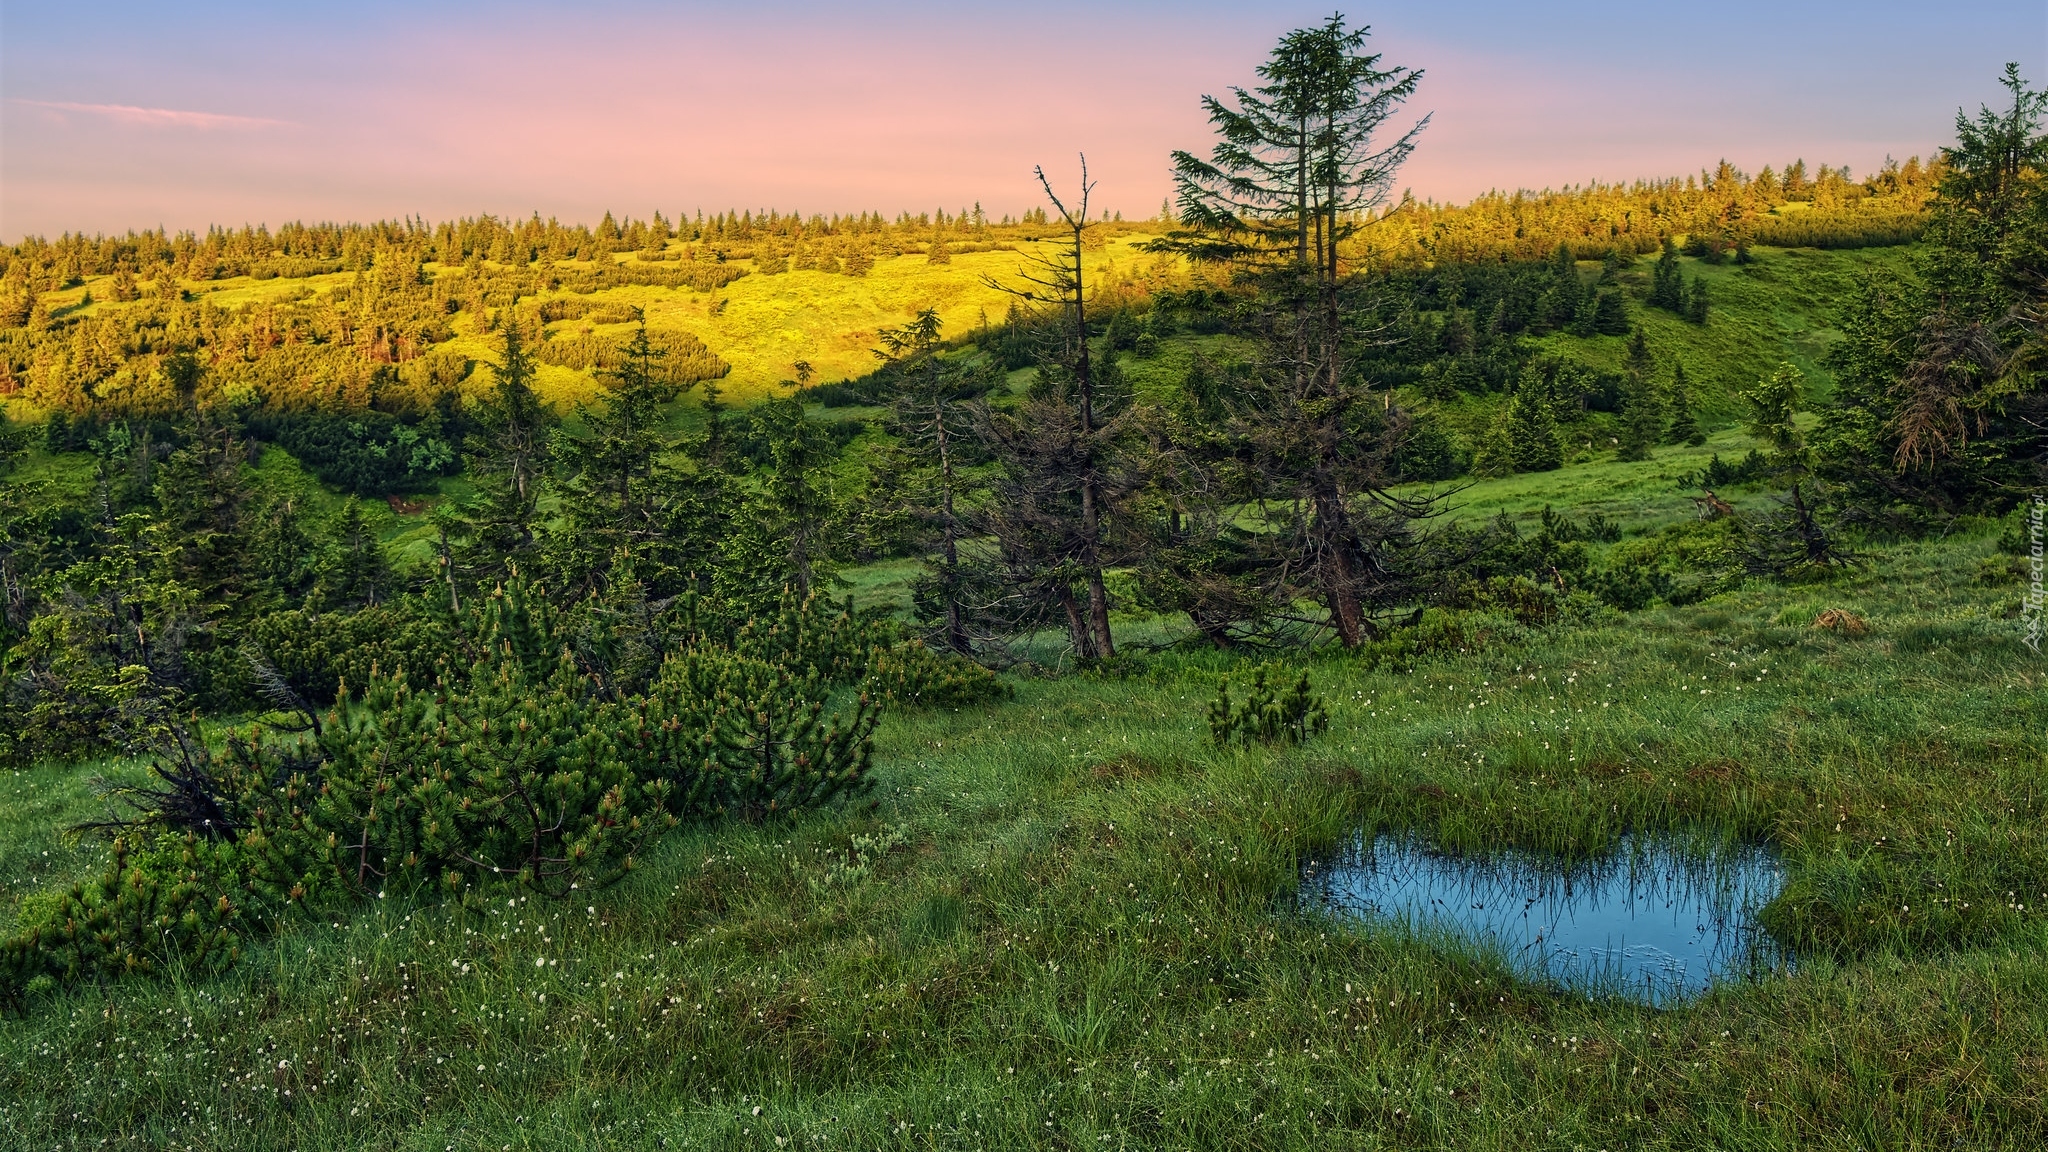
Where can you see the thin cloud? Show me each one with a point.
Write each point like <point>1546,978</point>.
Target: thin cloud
<point>157,117</point>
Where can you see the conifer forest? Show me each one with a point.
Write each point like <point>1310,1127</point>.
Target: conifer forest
<point>762,679</point>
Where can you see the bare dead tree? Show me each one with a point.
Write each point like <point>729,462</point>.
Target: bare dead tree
<point>1059,283</point>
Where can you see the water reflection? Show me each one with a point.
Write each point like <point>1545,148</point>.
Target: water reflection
<point>1651,922</point>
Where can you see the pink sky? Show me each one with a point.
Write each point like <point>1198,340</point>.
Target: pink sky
<point>139,119</point>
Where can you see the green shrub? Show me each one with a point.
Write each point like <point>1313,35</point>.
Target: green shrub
<point>1630,586</point>
<point>1266,716</point>
<point>769,747</point>
<point>515,766</point>
<point>910,675</point>
<point>1437,631</point>
<point>317,653</point>
<point>145,909</point>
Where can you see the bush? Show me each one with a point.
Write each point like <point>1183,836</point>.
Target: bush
<point>1630,586</point>
<point>518,766</point>
<point>1266,716</point>
<point>319,653</point>
<point>363,453</point>
<point>145,909</point>
<point>1526,601</point>
<point>769,748</point>
<point>911,675</point>
<point>1437,631</point>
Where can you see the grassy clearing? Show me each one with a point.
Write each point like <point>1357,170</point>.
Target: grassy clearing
<point>1067,922</point>
<point>1782,307</point>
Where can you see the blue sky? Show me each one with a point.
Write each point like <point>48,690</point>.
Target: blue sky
<point>117,115</point>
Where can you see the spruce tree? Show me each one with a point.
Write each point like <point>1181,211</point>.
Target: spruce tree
<point>1642,412</point>
<point>1684,428</point>
<point>508,458</point>
<point>934,423</point>
<point>1494,456</point>
<point>1532,431</point>
<point>202,498</point>
<point>1299,166</point>
<point>1696,301</point>
<point>1565,300</point>
<point>283,555</point>
<point>794,503</point>
<point>1667,283</point>
<point>1772,404</point>
<point>1642,418</point>
<point>356,573</point>
<point>617,486</point>
<point>1610,315</point>
<point>1638,363</point>
<point>1059,285</point>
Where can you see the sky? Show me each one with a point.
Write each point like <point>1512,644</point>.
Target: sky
<point>124,114</point>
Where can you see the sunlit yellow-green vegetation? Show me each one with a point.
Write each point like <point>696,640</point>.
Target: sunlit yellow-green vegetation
<point>391,314</point>
<point>760,325</point>
<point>1782,307</point>
<point>764,325</point>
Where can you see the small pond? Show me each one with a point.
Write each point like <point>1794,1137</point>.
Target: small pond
<point>1652,921</point>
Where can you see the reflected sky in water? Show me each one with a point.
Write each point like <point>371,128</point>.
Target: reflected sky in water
<point>1650,922</point>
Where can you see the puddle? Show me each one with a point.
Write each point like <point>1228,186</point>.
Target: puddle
<point>1650,922</point>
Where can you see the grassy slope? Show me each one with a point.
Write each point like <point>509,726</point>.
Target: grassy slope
<point>1079,932</point>
<point>1783,307</point>
<point>765,324</point>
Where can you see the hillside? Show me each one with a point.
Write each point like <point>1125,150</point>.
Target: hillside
<point>741,683</point>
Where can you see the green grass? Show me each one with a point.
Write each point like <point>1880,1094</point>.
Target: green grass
<point>1782,307</point>
<point>1066,921</point>
<point>1642,495</point>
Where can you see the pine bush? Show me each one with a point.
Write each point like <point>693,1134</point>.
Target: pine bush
<point>1267,716</point>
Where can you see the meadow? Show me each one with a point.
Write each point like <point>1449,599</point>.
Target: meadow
<point>762,324</point>
<point>1069,921</point>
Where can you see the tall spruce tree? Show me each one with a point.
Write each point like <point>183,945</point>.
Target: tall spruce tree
<point>1695,308</point>
<point>508,459</point>
<point>1531,428</point>
<point>1667,283</point>
<point>934,421</point>
<point>356,573</point>
<point>1642,408</point>
<point>618,488</point>
<point>793,502</point>
<point>1059,283</point>
<point>1299,163</point>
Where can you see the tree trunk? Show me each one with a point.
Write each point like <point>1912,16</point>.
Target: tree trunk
<point>1091,528</point>
<point>956,628</point>
<point>1339,594</point>
<point>1077,629</point>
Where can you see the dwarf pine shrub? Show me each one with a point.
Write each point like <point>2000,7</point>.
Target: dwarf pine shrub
<point>520,765</point>
<point>1267,716</point>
